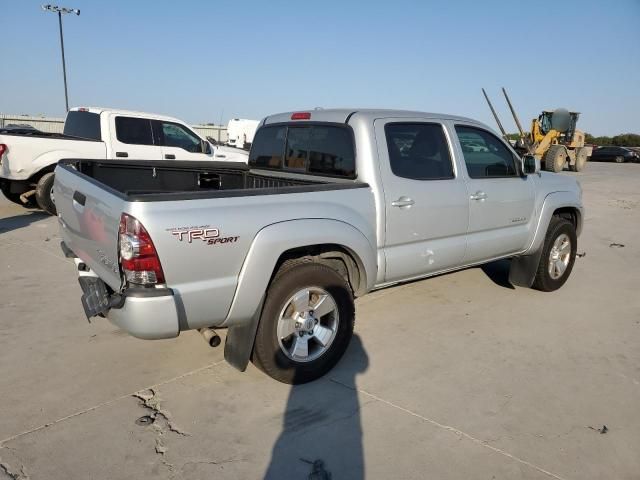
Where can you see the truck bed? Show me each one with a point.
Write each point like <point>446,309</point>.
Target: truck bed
<point>151,180</point>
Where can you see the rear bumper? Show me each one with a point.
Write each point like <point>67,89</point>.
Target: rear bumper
<point>147,313</point>
<point>150,314</point>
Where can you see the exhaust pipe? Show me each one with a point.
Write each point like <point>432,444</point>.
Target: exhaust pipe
<point>24,198</point>
<point>210,336</point>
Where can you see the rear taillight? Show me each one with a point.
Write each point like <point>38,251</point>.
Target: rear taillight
<point>3,148</point>
<point>138,257</point>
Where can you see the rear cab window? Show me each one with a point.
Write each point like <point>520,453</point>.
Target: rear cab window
<point>83,124</point>
<point>321,149</point>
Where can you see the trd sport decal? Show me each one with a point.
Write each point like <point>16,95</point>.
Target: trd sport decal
<point>211,236</point>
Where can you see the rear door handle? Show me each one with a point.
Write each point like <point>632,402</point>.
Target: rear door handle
<point>479,195</point>
<point>122,154</point>
<point>170,156</point>
<point>402,202</point>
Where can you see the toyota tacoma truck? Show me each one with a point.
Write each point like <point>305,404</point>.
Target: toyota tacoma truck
<point>28,157</point>
<point>332,204</point>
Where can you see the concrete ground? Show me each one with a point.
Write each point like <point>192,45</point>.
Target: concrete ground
<point>460,376</point>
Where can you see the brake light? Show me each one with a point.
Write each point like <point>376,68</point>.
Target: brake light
<point>138,257</point>
<point>3,148</point>
<point>301,116</point>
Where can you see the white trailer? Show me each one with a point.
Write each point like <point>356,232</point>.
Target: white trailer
<point>241,132</point>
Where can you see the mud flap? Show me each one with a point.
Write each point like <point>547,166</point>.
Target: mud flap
<point>523,269</point>
<point>240,338</point>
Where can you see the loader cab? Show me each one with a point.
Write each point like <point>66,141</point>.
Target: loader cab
<point>561,120</point>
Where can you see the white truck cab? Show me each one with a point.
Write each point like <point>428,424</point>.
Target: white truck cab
<point>27,159</point>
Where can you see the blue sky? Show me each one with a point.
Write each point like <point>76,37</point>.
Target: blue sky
<point>203,60</point>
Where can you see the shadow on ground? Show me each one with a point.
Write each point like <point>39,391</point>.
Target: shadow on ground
<point>20,221</point>
<point>498,273</point>
<point>321,435</point>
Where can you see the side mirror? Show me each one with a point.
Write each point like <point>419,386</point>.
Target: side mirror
<point>206,147</point>
<point>530,164</point>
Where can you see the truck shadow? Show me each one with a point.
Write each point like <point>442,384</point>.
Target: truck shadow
<point>16,222</point>
<point>321,434</point>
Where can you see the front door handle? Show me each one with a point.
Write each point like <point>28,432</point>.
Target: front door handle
<point>170,156</point>
<point>122,154</point>
<point>479,195</point>
<point>402,202</point>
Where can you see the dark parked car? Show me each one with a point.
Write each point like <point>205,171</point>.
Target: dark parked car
<point>615,154</point>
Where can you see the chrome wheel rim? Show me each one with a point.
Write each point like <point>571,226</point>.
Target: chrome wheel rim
<point>559,256</point>
<point>52,196</point>
<point>308,324</point>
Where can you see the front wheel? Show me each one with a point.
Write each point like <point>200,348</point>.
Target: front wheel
<point>555,158</point>
<point>306,323</point>
<point>619,159</point>
<point>558,255</point>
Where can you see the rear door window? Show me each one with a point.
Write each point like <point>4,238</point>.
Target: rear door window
<point>83,125</point>
<point>315,149</point>
<point>134,131</point>
<point>418,151</point>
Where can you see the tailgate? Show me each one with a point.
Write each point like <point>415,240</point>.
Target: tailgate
<point>89,217</point>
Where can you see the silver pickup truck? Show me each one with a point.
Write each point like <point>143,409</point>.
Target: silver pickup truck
<point>333,204</point>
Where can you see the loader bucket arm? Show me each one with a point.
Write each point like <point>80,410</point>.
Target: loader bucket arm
<point>495,115</point>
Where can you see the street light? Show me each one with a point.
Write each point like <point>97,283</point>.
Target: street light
<point>60,11</point>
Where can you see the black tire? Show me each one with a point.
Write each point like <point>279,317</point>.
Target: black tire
<point>543,280</point>
<point>268,356</point>
<point>44,193</point>
<point>619,159</point>
<point>15,197</point>
<point>555,158</point>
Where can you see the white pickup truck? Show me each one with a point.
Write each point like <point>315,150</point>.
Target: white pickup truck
<point>333,204</point>
<point>28,157</point>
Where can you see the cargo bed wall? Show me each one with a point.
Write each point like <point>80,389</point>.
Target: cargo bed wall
<point>164,177</point>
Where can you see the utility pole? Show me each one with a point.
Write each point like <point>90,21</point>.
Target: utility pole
<point>61,11</point>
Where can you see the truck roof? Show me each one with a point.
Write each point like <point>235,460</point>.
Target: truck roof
<point>132,113</point>
<point>340,115</point>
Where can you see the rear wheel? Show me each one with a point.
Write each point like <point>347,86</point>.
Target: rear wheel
<point>555,158</point>
<point>44,193</point>
<point>306,323</point>
<point>558,255</point>
<point>581,160</point>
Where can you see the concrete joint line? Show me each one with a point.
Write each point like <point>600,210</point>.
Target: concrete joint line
<point>456,431</point>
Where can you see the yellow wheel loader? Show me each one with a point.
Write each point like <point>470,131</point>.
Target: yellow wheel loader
<point>553,138</point>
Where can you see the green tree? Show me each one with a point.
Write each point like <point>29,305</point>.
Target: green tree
<point>622,140</point>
